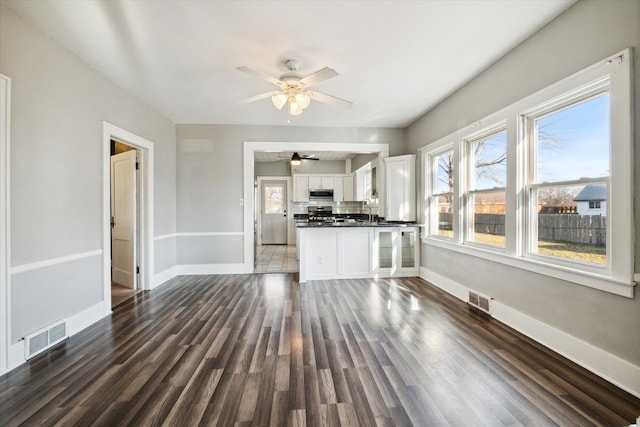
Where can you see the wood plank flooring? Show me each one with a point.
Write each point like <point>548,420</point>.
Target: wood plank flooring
<point>264,350</point>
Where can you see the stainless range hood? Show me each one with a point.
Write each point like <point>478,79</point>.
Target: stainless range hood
<point>320,194</point>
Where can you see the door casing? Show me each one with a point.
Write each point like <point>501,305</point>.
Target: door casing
<point>5,287</point>
<point>146,251</point>
<point>250,147</point>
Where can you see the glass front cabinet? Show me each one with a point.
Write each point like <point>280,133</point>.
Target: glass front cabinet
<point>396,252</point>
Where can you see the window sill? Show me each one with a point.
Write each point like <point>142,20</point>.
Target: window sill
<point>584,278</point>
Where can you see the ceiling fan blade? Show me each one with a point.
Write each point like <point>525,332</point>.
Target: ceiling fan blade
<point>260,75</point>
<point>319,76</point>
<point>256,98</point>
<point>331,100</point>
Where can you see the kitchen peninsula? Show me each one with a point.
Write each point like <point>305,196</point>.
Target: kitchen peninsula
<point>349,250</point>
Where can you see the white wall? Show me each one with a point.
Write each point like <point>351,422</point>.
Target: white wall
<point>58,106</point>
<point>272,169</point>
<point>586,33</point>
<point>210,182</point>
<point>320,166</point>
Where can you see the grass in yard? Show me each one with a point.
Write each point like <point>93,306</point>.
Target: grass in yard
<point>596,254</point>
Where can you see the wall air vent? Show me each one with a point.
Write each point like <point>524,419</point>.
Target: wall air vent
<point>479,301</point>
<point>44,339</point>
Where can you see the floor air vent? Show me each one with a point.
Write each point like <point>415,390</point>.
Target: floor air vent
<point>480,301</point>
<point>38,342</point>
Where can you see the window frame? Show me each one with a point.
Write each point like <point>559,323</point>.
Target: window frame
<point>618,276</point>
<point>469,192</point>
<point>430,181</point>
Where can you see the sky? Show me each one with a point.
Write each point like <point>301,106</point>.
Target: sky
<point>583,150</point>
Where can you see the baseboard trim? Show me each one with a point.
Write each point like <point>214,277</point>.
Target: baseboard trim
<point>200,269</point>
<point>602,363</point>
<point>75,324</point>
<point>164,276</point>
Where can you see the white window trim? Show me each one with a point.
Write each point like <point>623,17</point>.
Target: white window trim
<point>618,277</point>
<point>467,192</point>
<point>429,181</point>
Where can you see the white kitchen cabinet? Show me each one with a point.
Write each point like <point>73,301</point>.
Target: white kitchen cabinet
<point>401,188</point>
<point>315,182</point>
<point>396,252</point>
<point>335,253</point>
<point>363,183</point>
<point>348,188</point>
<point>300,188</point>
<point>321,182</point>
<point>327,182</point>
<point>338,189</point>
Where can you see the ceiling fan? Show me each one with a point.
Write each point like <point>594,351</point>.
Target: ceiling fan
<point>297,159</point>
<point>294,89</point>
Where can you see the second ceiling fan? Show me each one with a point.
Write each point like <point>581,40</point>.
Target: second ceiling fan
<point>294,89</point>
<point>297,159</point>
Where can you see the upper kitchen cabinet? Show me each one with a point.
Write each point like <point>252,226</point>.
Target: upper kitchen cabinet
<point>300,188</point>
<point>348,188</point>
<point>401,188</point>
<point>317,182</point>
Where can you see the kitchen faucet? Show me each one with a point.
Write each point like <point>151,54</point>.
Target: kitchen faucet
<point>367,204</point>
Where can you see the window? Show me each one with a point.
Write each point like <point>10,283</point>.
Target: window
<point>273,198</point>
<point>441,200</point>
<point>486,161</point>
<point>569,165</point>
<point>545,184</point>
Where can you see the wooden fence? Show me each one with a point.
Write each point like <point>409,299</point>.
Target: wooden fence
<point>559,227</point>
<point>573,228</point>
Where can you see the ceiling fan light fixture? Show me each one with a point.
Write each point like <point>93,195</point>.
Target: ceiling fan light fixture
<point>279,99</point>
<point>296,160</point>
<point>303,100</point>
<point>294,108</point>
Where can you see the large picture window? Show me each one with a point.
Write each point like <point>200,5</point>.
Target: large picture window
<point>545,184</point>
<point>568,171</point>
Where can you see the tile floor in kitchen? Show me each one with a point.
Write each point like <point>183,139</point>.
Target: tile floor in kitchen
<point>276,259</point>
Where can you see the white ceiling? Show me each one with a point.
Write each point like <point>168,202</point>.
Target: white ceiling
<point>396,59</point>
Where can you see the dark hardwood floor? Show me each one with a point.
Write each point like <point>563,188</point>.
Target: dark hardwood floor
<point>264,350</point>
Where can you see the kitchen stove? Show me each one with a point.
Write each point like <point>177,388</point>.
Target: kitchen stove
<point>321,214</point>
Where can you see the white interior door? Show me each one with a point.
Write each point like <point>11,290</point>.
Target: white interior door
<point>123,219</point>
<point>273,213</point>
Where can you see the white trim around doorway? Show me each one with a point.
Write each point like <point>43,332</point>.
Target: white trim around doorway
<point>5,252</point>
<point>146,252</point>
<point>250,147</point>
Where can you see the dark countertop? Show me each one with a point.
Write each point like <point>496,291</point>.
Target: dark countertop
<point>352,224</point>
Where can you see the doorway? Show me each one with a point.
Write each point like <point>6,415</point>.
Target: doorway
<point>125,222</point>
<point>144,150</point>
<point>273,222</point>
<point>272,252</point>
<point>249,179</point>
